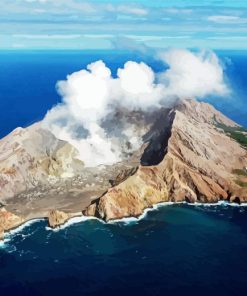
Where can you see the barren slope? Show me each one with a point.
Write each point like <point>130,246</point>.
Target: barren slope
<point>199,164</point>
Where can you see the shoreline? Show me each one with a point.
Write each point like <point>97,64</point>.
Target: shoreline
<point>78,218</point>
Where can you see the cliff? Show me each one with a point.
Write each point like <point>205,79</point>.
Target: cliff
<point>202,162</point>
<point>8,221</point>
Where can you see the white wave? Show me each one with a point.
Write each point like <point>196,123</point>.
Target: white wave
<point>129,220</point>
<point>2,244</point>
<point>20,228</point>
<point>126,220</point>
<point>72,221</point>
<point>219,203</point>
<point>13,232</point>
<point>168,203</point>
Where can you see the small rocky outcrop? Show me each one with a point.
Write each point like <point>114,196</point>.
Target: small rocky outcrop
<point>8,221</point>
<point>57,218</point>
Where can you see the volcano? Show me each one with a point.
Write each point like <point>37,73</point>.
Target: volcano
<point>189,152</point>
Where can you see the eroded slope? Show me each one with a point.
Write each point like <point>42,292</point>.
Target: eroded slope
<point>198,165</point>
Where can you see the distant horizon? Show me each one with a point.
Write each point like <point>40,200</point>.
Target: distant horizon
<point>113,50</point>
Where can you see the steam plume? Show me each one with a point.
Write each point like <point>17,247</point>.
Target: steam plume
<point>92,94</point>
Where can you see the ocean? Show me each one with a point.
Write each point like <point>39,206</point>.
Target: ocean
<point>173,250</point>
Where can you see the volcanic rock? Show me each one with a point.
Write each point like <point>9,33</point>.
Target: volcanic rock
<point>198,166</point>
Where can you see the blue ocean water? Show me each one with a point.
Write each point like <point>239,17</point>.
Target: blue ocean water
<point>174,250</point>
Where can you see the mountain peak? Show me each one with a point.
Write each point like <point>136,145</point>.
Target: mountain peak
<point>203,112</point>
<point>200,164</point>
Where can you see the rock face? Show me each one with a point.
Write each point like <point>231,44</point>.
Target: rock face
<point>33,156</point>
<point>198,165</point>
<point>131,197</point>
<point>57,218</point>
<point>8,221</point>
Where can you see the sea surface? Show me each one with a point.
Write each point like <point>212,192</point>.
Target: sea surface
<point>173,250</point>
<point>176,249</point>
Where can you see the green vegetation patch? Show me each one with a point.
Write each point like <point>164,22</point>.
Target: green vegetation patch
<point>238,133</point>
<point>241,183</point>
<point>240,172</point>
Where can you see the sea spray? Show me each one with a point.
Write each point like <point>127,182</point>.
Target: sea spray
<point>20,228</point>
<point>126,220</point>
<point>72,221</point>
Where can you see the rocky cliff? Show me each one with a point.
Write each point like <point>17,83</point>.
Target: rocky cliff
<point>201,162</point>
<point>8,221</point>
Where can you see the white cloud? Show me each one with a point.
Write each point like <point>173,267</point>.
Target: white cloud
<point>193,75</point>
<point>178,11</point>
<point>40,1</point>
<point>227,19</point>
<point>244,38</point>
<point>132,10</point>
<point>63,5</point>
<point>145,38</point>
<point>96,36</point>
<point>87,7</point>
<point>41,36</point>
<point>91,95</point>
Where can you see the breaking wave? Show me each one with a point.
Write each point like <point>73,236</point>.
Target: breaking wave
<point>125,221</point>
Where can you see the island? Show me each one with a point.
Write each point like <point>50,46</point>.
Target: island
<point>190,152</point>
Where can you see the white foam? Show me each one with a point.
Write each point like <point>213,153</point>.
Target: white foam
<point>21,227</point>
<point>219,203</point>
<point>2,244</point>
<point>128,220</point>
<point>72,221</point>
<point>8,235</point>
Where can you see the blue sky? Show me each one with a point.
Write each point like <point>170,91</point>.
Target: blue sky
<point>95,24</point>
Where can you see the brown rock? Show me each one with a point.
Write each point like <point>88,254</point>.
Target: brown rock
<point>197,165</point>
<point>57,218</point>
<point>30,157</point>
<point>1,233</point>
<point>8,221</point>
<point>130,198</point>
